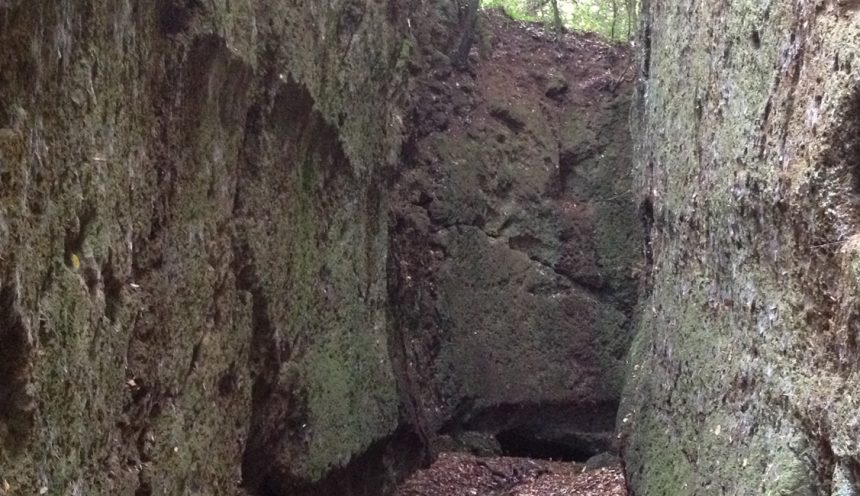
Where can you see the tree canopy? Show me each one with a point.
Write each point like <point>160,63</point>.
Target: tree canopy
<point>612,18</point>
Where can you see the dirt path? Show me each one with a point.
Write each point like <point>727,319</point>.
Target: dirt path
<point>456,474</point>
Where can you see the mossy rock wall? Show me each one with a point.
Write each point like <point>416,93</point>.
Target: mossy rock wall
<point>193,241</point>
<point>743,377</point>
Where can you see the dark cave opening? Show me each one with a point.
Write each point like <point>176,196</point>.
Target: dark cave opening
<point>523,444</point>
<point>557,431</point>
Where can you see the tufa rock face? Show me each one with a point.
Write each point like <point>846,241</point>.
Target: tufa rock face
<point>192,245</point>
<point>513,245</point>
<point>743,376</point>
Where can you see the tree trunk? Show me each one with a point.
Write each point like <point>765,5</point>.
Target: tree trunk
<point>614,18</point>
<point>469,18</point>
<point>556,19</point>
<point>631,17</point>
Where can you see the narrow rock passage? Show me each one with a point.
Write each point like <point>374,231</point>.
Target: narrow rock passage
<point>456,474</point>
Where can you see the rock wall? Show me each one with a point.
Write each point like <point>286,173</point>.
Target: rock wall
<point>743,377</point>
<point>514,242</point>
<point>196,295</point>
<point>192,245</point>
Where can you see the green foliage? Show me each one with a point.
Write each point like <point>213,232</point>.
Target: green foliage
<point>612,18</point>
